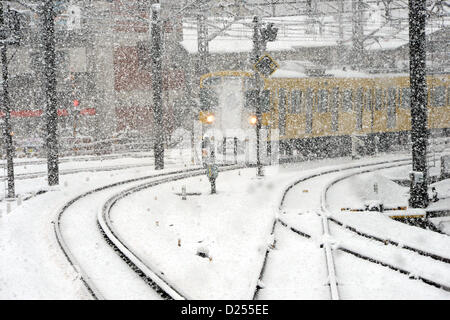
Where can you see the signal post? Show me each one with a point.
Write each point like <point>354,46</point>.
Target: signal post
<point>263,65</point>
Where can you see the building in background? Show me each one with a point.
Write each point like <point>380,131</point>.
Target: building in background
<point>104,81</point>
<point>104,85</point>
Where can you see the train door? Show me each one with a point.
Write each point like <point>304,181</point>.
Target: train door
<point>334,105</point>
<point>358,109</point>
<point>404,112</point>
<point>379,117</point>
<point>438,106</point>
<point>368,111</point>
<point>282,111</point>
<point>346,122</point>
<point>391,104</point>
<point>309,110</point>
<point>297,113</point>
<point>322,115</point>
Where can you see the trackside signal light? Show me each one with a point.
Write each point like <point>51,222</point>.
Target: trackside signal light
<point>76,103</point>
<point>210,118</point>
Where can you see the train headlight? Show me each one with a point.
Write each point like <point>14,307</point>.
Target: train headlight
<point>253,120</point>
<point>210,118</point>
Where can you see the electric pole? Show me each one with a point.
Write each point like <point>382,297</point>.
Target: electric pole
<point>357,33</point>
<point>203,48</point>
<point>50,93</point>
<point>7,131</point>
<point>257,51</point>
<point>202,38</point>
<point>419,132</point>
<point>156,34</point>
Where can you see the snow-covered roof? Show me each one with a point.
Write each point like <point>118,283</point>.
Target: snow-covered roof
<point>238,37</point>
<point>293,34</point>
<point>301,69</point>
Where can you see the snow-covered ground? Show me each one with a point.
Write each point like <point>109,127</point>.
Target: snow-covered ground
<point>357,278</point>
<point>231,229</point>
<point>32,265</point>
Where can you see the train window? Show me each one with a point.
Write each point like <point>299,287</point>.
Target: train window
<point>378,99</point>
<point>211,81</point>
<point>322,102</point>
<point>296,101</point>
<point>347,100</point>
<point>208,99</point>
<point>438,96</point>
<point>406,98</point>
<point>391,108</point>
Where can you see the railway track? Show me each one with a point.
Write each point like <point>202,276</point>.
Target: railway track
<point>25,176</point>
<point>326,217</point>
<point>105,231</point>
<point>154,277</point>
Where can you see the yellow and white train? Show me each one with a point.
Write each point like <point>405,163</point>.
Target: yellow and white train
<point>319,113</point>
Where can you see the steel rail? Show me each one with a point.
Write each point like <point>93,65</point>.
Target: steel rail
<point>38,174</point>
<point>371,236</point>
<point>88,283</point>
<point>371,259</point>
<point>328,252</point>
<point>94,292</point>
<point>326,216</point>
<point>146,271</point>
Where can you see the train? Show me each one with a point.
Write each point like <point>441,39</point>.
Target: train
<point>319,111</point>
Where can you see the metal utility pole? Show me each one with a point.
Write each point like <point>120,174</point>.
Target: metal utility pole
<point>258,47</point>
<point>203,49</point>
<point>157,86</point>
<point>274,3</point>
<point>357,32</point>
<point>202,38</point>
<point>7,131</point>
<point>340,18</point>
<point>419,132</point>
<point>50,92</point>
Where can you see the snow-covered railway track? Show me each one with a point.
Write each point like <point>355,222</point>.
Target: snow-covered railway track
<point>25,176</point>
<point>38,161</point>
<point>442,259</point>
<point>333,282</point>
<point>63,239</point>
<point>103,272</point>
<point>385,241</point>
<point>333,291</point>
<point>327,243</point>
<point>151,274</point>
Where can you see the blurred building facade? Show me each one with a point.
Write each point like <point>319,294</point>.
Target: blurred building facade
<point>104,84</point>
